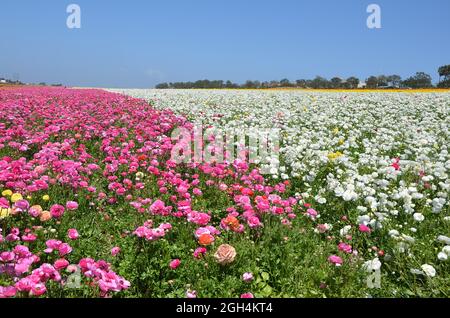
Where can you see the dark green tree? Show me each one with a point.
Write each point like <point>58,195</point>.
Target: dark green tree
<point>319,82</point>
<point>302,83</point>
<point>420,80</point>
<point>352,82</point>
<point>444,71</point>
<point>162,86</point>
<point>285,82</point>
<point>394,80</point>
<point>382,80</point>
<point>336,82</point>
<point>372,82</point>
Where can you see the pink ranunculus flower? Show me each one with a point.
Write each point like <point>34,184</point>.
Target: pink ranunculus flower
<point>247,295</point>
<point>175,263</point>
<point>64,249</point>
<point>199,252</point>
<point>4,203</point>
<point>38,289</point>
<point>115,250</point>
<point>191,294</point>
<point>7,292</point>
<point>72,268</point>
<point>247,277</point>
<point>364,228</point>
<point>335,260</point>
<point>30,237</point>
<point>71,205</point>
<point>73,234</point>
<point>57,211</point>
<point>157,207</point>
<point>61,264</point>
<point>345,248</point>
<point>22,205</point>
<point>311,213</point>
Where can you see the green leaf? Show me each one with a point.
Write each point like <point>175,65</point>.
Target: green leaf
<point>267,290</point>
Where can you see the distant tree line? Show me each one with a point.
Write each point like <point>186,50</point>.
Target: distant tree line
<point>12,82</point>
<point>419,80</point>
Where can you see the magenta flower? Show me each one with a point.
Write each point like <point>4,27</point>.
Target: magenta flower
<point>345,248</point>
<point>7,292</point>
<point>72,234</point>
<point>115,250</point>
<point>61,264</point>
<point>199,252</point>
<point>22,205</point>
<point>175,263</point>
<point>335,260</point>
<point>57,211</point>
<point>364,228</point>
<point>64,249</point>
<point>4,203</point>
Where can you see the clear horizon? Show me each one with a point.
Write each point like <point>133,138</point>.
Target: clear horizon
<point>143,43</point>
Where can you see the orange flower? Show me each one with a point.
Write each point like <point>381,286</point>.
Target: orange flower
<point>231,222</point>
<point>205,239</point>
<point>45,216</point>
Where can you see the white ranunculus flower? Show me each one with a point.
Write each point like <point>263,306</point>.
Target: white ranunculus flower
<point>442,256</point>
<point>321,200</point>
<point>418,217</point>
<point>446,250</point>
<point>363,219</point>
<point>349,195</point>
<point>372,265</point>
<point>361,209</point>
<point>428,270</point>
<point>393,233</point>
<point>344,231</point>
<point>444,239</point>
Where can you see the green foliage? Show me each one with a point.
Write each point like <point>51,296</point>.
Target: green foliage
<point>420,80</point>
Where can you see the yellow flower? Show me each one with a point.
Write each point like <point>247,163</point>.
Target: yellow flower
<point>29,197</point>
<point>4,213</point>
<point>16,197</point>
<point>336,131</point>
<point>7,193</point>
<point>334,155</point>
<point>46,197</point>
<point>341,141</point>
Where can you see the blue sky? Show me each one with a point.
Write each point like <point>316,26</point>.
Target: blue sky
<point>140,43</point>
